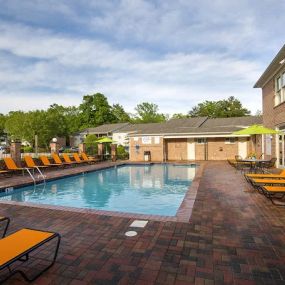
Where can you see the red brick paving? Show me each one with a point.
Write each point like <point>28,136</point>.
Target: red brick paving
<point>235,236</point>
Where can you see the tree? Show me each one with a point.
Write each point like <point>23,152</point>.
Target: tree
<point>230,107</point>
<point>120,114</point>
<point>148,113</point>
<point>2,124</point>
<point>15,125</point>
<point>179,116</point>
<point>95,110</point>
<point>91,144</point>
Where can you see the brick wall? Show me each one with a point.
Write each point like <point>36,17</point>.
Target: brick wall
<point>176,149</point>
<point>272,116</point>
<point>156,149</point>
<point>217,149</point>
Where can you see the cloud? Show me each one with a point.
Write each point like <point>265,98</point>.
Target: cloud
<point>175,54</point>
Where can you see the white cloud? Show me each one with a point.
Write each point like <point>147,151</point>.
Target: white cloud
<point>174,54</point>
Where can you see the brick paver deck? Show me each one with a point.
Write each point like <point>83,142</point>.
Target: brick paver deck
<point>235,236</point>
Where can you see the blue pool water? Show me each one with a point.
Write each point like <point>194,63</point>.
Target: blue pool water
<point>146,189</point>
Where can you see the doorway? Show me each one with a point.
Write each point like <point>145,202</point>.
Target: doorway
<point>281,150</point>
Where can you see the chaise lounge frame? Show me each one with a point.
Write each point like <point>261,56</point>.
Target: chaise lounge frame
<point>7,220</point>
<point>24,256</point>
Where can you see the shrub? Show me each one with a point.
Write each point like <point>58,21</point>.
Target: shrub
<point>122,153</point>
<point>27,149</point>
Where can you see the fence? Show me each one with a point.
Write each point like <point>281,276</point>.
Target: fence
<point>32,154</point>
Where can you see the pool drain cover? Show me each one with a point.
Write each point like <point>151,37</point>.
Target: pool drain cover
<point>131,233</point>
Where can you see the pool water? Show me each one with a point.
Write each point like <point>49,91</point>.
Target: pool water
<point>156,189</point>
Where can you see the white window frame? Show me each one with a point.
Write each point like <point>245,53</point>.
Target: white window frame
<point>201,140</point>
<point>280,92</point>
<point>230,140</point>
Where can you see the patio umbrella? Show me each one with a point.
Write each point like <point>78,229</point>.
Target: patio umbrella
<point>256,130</point>
<point>105,140</point>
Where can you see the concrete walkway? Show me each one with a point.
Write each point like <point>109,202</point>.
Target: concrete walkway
<point>235,236</point>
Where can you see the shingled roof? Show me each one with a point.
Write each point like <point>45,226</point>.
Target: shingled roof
<point>193,126</point>
<point>104,129</point>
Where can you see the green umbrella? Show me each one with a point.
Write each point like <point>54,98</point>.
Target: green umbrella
<point>256,130</point>
<point>105,140</point>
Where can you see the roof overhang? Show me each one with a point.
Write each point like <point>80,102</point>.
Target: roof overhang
<point>274,67</point>
<point>206,136</point>
<point>194,135</point>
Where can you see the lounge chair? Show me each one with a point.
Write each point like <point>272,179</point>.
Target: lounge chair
<point>274,192</point>
<point>68,160</point>
<point>88,159</point>
<point>58,160</point>
<point>281,175</point>
<point>7,221</point>
<point>258,183</point>
<point>46,161</point>
<point>18,246</point>
<point>11,165</point>
<point>30,162</point>
<point>78,159</point>
<point>4,172</point>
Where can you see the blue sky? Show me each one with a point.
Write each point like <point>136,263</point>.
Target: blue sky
<point>172,53</point>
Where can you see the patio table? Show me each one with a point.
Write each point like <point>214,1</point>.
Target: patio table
<point>254,163</point>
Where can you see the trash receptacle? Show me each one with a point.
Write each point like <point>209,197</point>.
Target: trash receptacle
<point>147,156</point>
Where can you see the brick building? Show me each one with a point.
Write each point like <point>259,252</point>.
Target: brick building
<point>272,82</point>
<point>193,139</point>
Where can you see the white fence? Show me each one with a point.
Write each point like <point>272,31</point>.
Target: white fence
<point>32,154</point>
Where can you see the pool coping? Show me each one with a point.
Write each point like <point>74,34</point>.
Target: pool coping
<point>183,213</point>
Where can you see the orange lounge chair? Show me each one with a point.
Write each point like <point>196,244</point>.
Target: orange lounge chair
<point>30,162</point>
<point>88,159</point>
<point>46,161</point>
<point>268,181</point>
<point>274,192</point>
<point>58,160</point>
<point>78,159</point>
<point>68,160</point>
<point>7,221</point>
<point>281,175</point>
<point>4,172</point>
<point>11,165</point>
<point>18,246</point>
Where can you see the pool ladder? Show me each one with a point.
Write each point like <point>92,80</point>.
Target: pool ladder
<point>32,176</point>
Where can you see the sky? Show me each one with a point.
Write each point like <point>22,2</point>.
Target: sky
<point>175,54</point>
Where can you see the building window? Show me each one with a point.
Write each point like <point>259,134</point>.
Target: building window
<point>201,140</point>
<point>230,140</point>
<point>280,89</point>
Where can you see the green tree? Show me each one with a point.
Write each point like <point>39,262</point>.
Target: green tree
<point>230,107</point>
<point>15,125</point>
<point>95,111</point>
<point>91,144</point>
<point>120,114</point>
<point>3,119</point>
<point>148,113</point>
<point>179,116</point>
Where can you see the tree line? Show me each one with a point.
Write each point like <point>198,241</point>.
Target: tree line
<point>95,110</point>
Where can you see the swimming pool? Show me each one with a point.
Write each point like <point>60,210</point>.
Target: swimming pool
<point>156,189</point>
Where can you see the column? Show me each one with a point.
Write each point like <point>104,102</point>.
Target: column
<point>100,151</point>
<point>113,152</point>
<point>15,151</point>
<point>81,148</point>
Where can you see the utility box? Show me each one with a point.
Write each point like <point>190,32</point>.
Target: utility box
<point>147,156</point>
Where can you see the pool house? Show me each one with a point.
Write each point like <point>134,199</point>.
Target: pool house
<point>193,139</point>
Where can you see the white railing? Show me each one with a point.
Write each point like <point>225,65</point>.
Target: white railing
<point>32,154</point>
